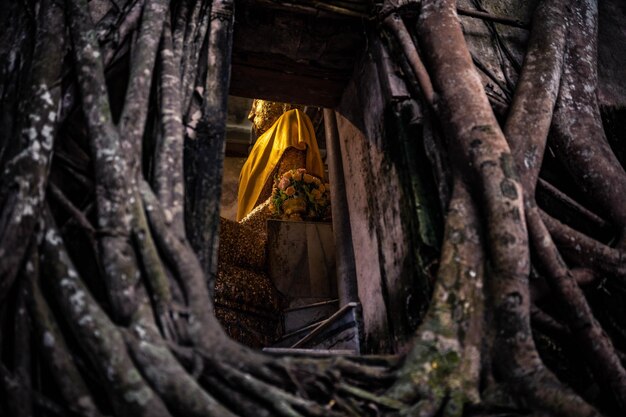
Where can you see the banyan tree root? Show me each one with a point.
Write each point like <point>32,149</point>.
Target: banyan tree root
<point>24,178</point>
<point>535,108</point>
<point>533,105</point>
<point>579,139</point>
<point>140,337</point>
<point>480,145</point>
<point>442,369</point>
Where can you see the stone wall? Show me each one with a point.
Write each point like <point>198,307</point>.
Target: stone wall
<point>392,287</point>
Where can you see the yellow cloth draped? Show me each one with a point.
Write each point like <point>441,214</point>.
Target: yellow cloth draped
<point>292,129</point>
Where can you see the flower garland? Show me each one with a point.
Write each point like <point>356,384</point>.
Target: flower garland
<point>300,196</point>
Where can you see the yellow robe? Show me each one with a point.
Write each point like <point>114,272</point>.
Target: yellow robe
<point>292,129</point>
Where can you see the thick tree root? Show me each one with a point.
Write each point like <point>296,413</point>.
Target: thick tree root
<point>24,179</point>
<point>583,251</point>
<point>113,189</point>
<point>551,192</point>
<point>180,392</point>
<point>579,139</point>
<point>443,365</point>
<point>534,101</point>
<point>158,350</point>
<point>101,341</point>
<point>168,171</point>
<point>481,144</point>
<point>605,364</point>
<point>52,344</point>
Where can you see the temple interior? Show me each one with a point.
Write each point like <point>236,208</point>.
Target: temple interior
<point>277,280</point>
<point>239,142</point>
<point>326,61</point>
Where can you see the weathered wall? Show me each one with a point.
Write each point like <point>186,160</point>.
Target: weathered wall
<point>382,205</point>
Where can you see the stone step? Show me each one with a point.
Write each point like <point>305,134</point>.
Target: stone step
<point>292,338</point>
<point>340,332</point>
<point>310,352</point>
<point>297,318</point>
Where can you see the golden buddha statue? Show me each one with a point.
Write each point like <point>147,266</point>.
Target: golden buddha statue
<point>264,113</point>
<point>247,303</point>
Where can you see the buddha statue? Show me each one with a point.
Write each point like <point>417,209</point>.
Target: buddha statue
<point>247,303</point>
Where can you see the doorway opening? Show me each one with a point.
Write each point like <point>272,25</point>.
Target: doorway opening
<point>304,59</point>
<point>277,279</point>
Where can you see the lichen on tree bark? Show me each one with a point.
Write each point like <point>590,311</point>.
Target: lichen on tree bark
<point>116,277</point>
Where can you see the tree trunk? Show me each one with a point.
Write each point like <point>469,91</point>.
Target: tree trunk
<point>109,208</point>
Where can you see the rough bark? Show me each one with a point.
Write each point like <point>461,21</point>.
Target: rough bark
<point>111,312</point>
<point>579,139</point>
<point>25,175</point>
<point>205,152</point>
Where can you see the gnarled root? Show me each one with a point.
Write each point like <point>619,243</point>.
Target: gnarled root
<point>443,366</point>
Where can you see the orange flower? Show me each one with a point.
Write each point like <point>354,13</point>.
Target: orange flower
<point>284,182</point>
<point>308,178</point>
<point>290,191</point>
